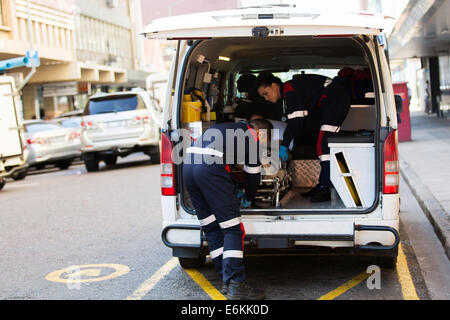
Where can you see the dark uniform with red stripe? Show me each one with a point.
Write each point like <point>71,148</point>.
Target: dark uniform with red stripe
<point>305,92</point>
<point>334,104</point>
<point>212,191</point>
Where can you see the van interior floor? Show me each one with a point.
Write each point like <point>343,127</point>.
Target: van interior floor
<point>294,200</point>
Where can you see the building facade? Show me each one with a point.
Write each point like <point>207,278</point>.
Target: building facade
<point>158,54</point>
<point>419,49</point>
<point>83,46</point>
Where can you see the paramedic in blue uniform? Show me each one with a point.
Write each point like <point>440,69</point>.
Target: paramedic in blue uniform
<point>213,194</point>
<point>301,95</point>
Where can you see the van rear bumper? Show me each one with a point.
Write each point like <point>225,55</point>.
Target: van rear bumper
<point>186,239</point>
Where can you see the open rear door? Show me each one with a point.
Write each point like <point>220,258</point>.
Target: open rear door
<point>10,141</point>
<point>260,22</point>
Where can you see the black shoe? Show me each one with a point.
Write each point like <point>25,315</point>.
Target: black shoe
<point>242,291</point>
<point>310,192</point>
<point>224,290</point>
<point>321,194</point>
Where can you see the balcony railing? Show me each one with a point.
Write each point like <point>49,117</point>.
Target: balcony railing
<point>52,30</point>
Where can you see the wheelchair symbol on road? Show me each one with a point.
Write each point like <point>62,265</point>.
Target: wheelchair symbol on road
<point>87,273</point>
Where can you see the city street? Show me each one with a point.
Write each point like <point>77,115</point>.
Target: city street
<point>72,235</point>
<point>137,148</point>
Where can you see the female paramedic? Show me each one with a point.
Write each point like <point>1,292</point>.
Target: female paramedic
<point>300,95</point>
<point>213,194</point>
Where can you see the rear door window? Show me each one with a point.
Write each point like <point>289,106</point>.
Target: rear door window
<point>38,127</point>
<point>117,103</point>
<point>71,123</point>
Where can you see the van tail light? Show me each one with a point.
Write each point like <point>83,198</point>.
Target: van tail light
<point>167,167</point>
<point>37,140</point>
<point>391,177</point>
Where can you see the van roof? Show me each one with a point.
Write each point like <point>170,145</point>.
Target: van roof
<point>286,21</point>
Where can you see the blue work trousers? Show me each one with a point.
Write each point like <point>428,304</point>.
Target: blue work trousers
<point>213,195</point>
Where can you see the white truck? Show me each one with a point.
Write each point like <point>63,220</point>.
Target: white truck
<point>13,162</point>
<point>213,50</point>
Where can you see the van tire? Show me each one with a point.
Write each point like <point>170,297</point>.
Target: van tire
<point>153,152</point>
<point>155,157</point>
<point>387,262</point>
<point>91,165</point>
<point>188,263</point>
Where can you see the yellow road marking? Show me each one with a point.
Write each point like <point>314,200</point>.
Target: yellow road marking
<point>205,284</point>
<point>90,272</point>
<point>403,273</point>
<point>404,277</point>
<point>345,287</point>
<point>73,274</point>
<point>148,284</point>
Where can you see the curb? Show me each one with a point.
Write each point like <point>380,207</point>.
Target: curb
<point>437,216</point>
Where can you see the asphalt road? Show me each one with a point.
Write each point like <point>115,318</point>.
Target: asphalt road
<point>101,231</point>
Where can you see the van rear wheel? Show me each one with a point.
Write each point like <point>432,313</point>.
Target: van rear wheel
<point>154,154</point>
<point>188,263</point>
<point>20,175</point>
<point>155,157</point>
<point>387,262</point>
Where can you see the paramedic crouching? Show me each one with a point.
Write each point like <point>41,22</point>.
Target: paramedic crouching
<point>213,194</point>
<point>300,95</point>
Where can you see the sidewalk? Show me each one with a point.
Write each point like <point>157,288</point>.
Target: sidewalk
<point>425,166</point>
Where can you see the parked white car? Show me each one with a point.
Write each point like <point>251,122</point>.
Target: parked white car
<point>72,120</point>
<point>50,143</point>
<point>213,50</point>
<point>118,124</point>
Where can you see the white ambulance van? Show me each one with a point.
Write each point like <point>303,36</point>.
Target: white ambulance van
<point>213,50</point>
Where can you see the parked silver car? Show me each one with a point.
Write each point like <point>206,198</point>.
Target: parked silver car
<point>50,143</point>
<point>118,124</point>
<point>72,120</point>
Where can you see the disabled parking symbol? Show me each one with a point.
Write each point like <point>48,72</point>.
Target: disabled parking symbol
<point>73,276</point>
